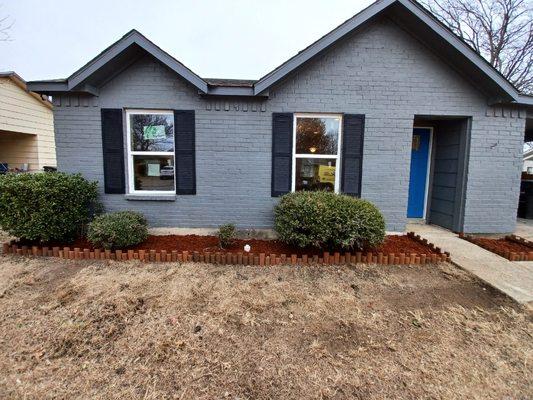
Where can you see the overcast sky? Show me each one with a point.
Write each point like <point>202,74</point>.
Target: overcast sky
<point>216,39</point>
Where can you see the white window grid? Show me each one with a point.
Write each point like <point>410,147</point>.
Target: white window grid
<point>336,157</point>
<point>131,153</point>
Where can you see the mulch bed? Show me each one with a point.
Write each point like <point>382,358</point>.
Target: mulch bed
<point>511,247</point>
<point>397,249</point>
<point>200,243</point>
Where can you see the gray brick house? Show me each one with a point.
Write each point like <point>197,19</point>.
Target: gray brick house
<point>390,106</point>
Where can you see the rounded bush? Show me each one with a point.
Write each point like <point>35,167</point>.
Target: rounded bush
<point>328,221</point>
<point>44,207</point>
<point>118,230</point>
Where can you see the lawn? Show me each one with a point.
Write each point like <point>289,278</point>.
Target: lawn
<point>154,331</point>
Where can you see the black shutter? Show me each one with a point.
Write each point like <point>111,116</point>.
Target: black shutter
<point>352,154</point>
<point>113,149</point>
<point>184,144</point>
<point>282,131</point>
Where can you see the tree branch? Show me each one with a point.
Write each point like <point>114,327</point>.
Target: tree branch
<point>499,30</point>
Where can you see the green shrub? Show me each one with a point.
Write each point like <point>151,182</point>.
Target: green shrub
<point>118,230</point>
<point>46,207</point>
<point>226,235</point>
<point>328,221</point>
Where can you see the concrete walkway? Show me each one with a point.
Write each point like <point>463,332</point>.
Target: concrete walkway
<point>524,228</point>
<point>512,278</point>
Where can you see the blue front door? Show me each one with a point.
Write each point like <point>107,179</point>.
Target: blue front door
<point>419,172</point>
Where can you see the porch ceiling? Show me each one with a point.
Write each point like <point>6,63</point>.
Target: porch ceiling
<point>13,134</point>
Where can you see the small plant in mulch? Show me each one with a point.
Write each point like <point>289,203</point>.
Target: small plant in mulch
<point>226,235</point>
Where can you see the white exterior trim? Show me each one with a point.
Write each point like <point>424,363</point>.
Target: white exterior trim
<point>336,157</point>
<point>131,153</point>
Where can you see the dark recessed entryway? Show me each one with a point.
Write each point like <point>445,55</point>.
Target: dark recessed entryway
<point>439,170</point>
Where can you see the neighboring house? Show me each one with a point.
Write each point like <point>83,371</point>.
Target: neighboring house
<point>26,126</point>
<point>390,106</point>
<point>528,162</point>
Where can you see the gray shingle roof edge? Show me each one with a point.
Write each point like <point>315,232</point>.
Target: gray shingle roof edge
<point>241,87</point>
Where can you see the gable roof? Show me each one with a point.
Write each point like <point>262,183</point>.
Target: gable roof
<point>401,9</point>
<point>21,83</point>
<point>408,14</point>
<point>96,71</point>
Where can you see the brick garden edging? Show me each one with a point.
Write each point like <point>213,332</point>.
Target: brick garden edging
<point>509,255</point>
<point>240,258</point>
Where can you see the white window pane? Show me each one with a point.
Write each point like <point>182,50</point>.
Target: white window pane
<point>152,132</point>
<point>153,173</point>
<point>317,135</point>
<point>315,174</point>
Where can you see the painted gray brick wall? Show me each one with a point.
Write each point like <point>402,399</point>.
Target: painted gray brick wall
<point>494,172</point>
<point>381,72</point>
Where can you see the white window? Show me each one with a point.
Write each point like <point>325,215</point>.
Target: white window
<point>316,152</point>
<point>150,136</point>
<point>530,170</point>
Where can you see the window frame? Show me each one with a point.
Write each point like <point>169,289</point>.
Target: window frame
<point>336,157</point>
<point>131,153</point>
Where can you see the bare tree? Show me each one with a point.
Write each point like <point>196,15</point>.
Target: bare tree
<point>5,26</point>
<point>499,30</point>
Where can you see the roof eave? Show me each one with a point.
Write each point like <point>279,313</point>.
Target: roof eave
<point>525,100</point>
<point>45,87</point>
<point>17,79</point>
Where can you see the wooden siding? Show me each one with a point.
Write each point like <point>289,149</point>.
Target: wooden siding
<point>19,148</point>
<point>32,120</point>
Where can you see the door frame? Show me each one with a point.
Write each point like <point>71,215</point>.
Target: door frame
<point>428,171</point>
<point>464,162</point>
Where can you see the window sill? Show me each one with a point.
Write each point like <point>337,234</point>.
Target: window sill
<point>150,197</point>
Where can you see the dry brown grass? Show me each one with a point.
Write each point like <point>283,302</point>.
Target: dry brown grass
<point>119,331</point>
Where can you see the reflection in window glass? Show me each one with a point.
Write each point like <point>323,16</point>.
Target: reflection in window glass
<point>315,174</point>
<point>316,152</point>
<point>151,155</point>
<point>154,173</point>
<point>317,135</point>
<point>152,132</point>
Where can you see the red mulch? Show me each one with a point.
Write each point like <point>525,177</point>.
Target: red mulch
<point>393,244</point>
<point>500,245</point>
